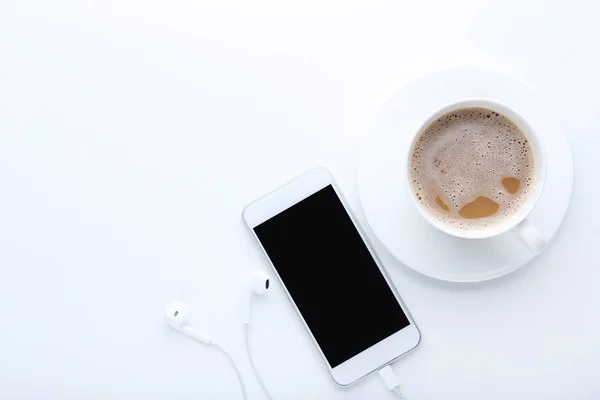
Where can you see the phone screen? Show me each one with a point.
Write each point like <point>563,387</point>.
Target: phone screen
<point>331,276</point>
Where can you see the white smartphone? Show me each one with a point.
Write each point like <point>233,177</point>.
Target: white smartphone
<point>332,276</point>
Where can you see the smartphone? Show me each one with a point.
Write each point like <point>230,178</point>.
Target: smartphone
<point>332,276</point>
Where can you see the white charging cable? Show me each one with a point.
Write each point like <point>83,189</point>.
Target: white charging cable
<point>391,381</point>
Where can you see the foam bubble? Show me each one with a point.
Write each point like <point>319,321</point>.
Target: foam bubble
<point>465,154</point>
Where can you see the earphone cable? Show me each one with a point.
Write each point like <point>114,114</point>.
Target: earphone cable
<point>235,367</point>
<point>249,351</point>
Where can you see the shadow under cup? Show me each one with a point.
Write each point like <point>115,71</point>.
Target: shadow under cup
<point>516,220</point>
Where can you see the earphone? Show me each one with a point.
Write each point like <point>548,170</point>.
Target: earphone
<point>257,284</point>
<point>177,317</point>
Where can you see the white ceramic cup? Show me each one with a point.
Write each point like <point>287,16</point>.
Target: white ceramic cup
<point>518,221</point>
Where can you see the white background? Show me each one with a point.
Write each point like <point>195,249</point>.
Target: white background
<point>133,132</point>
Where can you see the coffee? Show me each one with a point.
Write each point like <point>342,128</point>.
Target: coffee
<point>471,168</point>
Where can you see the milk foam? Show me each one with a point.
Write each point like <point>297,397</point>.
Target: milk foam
<point>465,154</point>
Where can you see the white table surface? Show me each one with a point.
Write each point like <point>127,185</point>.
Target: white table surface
<point>133,132</point>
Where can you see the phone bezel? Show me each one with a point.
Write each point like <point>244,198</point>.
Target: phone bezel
<point>376,356</point>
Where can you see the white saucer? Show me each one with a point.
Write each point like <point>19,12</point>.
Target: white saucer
<point>385,198</point>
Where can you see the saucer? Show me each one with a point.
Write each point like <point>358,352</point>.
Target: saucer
<point>385,198</point>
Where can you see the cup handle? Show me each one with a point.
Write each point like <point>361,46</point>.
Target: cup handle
<point>530,236</point>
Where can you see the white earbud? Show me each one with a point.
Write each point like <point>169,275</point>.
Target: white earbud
<point>177,316</point>
<point>258,283</point>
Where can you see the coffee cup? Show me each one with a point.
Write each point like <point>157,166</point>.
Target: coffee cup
<point>517,220</point>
